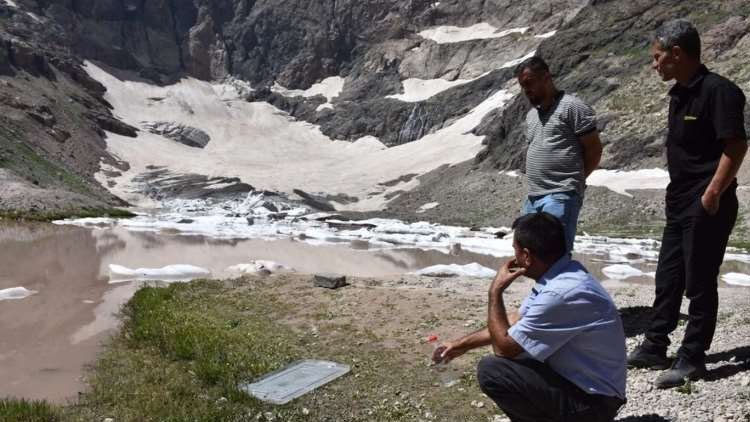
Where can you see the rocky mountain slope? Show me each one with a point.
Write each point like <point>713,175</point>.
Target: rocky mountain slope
<point>396,71</point>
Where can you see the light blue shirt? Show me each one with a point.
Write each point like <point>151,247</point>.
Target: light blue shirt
<point>571,323</point>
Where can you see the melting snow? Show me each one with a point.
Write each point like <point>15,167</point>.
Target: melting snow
<point>265,147</point>
<point>15,293</point>
<point>454,270</point>
<point>622,181</point>
<point>736,279</point>
<point>622,271</point>
<point>454,34</point>
<point>179,272</point>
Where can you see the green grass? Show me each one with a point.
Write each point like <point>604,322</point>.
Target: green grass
<point>183,350</point>
<point>21,159</point>
<point>19,410</point>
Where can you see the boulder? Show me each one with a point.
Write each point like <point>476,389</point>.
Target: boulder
<point>186,135</point>
<point>329,281</point>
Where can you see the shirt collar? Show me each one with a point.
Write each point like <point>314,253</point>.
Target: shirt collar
<point>554,270</point>
<point>694,83</point>
<point>558,97</point>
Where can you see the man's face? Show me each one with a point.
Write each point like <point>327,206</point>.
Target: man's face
<point>533,85</point>
<point>664,62</point>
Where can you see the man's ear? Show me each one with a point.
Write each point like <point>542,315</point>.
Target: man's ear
<point>527,258</point>
<point>676,52</point>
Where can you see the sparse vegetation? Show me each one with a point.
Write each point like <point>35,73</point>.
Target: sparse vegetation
<point>184,350</point>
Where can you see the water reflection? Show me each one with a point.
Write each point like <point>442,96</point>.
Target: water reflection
<point>47,338</point>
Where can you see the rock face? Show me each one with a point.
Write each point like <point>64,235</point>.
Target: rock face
<point>597,50</point>
<point>186,135</point>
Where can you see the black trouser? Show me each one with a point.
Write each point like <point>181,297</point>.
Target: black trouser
<point>530,391</point>
<point>692,251</point>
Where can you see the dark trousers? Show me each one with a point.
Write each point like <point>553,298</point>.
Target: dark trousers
<point>692,251</point>
<point>530,391</point>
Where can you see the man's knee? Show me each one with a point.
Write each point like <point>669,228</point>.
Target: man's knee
<point>492,373</point>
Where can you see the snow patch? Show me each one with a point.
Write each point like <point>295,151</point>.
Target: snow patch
<point>416,90</point>
<point>455,270</point>
<point>328,87</point>
<point>546,35</point>
<point>16,293</point>
<point>736,279</point>
<point>454,34</point>
<point>265,147</point>
<point>516,62</point>
<point>427,206</point>
<point>622,181</point>
<point>11,3</point>
<point>510,173</point>
<point>170,273</point>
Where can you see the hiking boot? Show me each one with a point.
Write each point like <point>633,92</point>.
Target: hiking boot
<point>680,372</point>
<point>642,358</point>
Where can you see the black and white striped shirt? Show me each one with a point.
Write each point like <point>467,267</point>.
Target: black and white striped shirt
<point>554,158</point>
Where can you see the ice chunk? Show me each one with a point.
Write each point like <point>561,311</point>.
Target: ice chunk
<point>258,267</point>
<point>15,293</point>
<point>622,271</point>
<point>736,279</point>
<point>455,270</point>
<point>179,272</point>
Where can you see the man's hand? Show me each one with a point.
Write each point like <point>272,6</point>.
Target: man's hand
<point>710,203</point>
<point>447,352</point>
<point>506,275</point>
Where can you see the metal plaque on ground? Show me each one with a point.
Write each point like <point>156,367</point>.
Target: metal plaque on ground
<point>295,380</point>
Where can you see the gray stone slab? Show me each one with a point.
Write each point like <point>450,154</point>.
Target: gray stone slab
<point>329,281</point>
<point>295,380</point>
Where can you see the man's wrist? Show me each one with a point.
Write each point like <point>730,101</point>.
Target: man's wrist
<point>712,193</point>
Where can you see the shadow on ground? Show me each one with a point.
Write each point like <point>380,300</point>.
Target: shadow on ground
<point>636,319</point>
<point>735,361</point>
<point>643,418</point>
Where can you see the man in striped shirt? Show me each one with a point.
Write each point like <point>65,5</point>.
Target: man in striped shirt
<point>563,147</point>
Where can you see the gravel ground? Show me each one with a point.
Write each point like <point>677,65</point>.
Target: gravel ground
<point>723,396</point>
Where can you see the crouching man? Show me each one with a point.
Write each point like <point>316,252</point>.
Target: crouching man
<point>564,357</point>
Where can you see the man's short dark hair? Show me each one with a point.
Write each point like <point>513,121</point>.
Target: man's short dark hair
<point>542,234</point>
<point>536,64</point>
<point>681,33</point>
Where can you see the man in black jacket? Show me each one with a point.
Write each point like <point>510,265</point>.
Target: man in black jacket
<point>706,144</point>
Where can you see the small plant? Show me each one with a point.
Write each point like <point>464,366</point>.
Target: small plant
<point>686,388</point>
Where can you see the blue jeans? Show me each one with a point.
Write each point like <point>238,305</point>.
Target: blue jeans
<point>564,205</point>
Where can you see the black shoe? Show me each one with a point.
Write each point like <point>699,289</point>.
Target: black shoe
<point>642,358</point>
<point>680,372</point>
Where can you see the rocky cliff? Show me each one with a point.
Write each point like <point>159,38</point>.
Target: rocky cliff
<point>53,116</point>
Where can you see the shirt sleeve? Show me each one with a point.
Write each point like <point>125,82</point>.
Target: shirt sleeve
<point>728,112</point>
<point>581,117</point>
<point>547,325</point>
